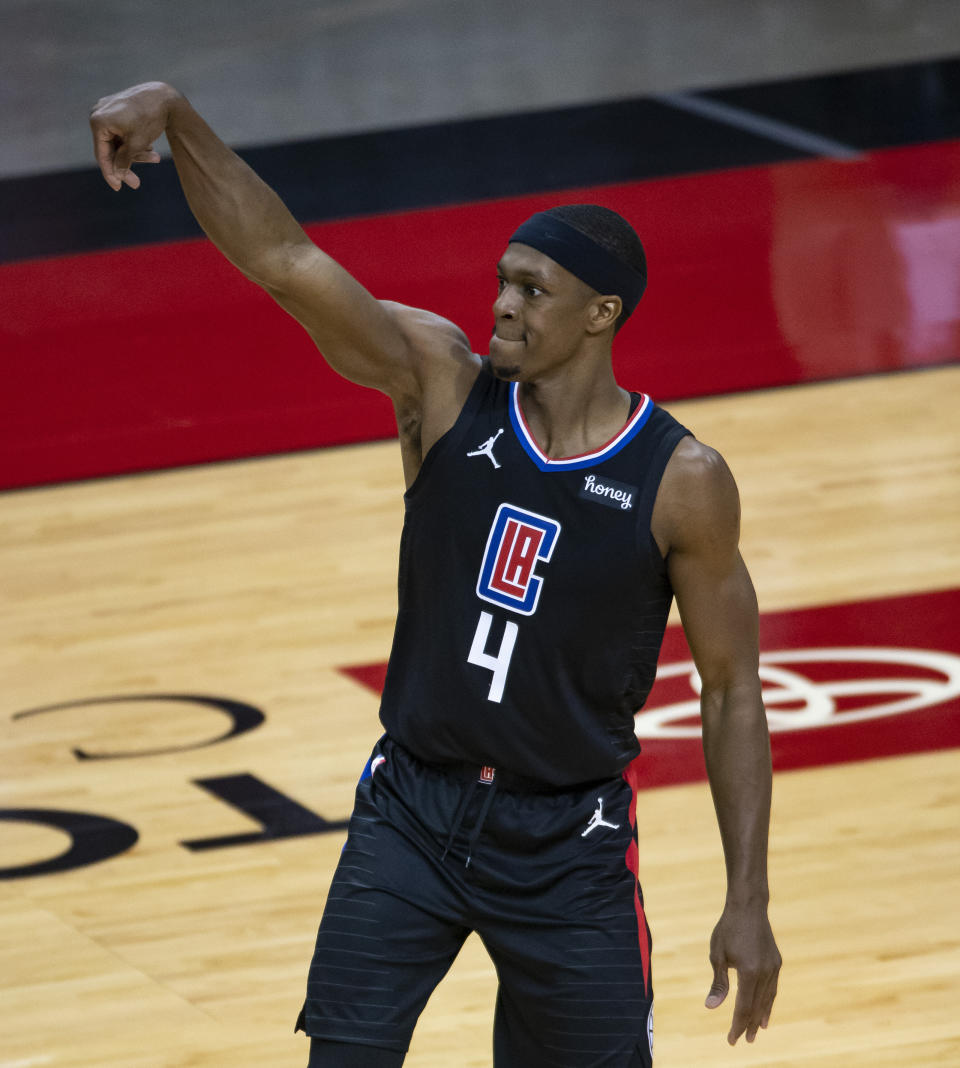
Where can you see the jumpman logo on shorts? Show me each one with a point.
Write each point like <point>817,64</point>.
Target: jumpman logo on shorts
<point>597,820</point>
<point>486,449</point>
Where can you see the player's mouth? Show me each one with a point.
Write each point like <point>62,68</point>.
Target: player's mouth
<point>504,354</point>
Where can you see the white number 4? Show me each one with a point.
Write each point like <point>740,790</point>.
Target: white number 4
<point>498,664</point>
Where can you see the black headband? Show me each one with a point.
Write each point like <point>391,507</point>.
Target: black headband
<point>582,257</point>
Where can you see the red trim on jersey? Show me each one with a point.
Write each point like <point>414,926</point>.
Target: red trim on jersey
<point>631,776</point>
<point>645,402</point>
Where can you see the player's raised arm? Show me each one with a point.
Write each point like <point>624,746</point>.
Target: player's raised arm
<point>698,515</point>
<point>362,339</point>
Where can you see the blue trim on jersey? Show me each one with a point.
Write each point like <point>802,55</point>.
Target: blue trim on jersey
<point>634,425</point>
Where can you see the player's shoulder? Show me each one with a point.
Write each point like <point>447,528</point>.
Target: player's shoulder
<point>439,351</point>
<point>427,332</point>
<point>697,495</point>
<point>695,466</point>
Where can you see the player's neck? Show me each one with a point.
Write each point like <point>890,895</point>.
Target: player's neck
<point>569,417</point>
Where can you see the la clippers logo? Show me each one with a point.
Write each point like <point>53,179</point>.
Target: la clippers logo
<point>518,541</point>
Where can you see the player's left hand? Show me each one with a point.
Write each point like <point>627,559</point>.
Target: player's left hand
<point>744,940</point>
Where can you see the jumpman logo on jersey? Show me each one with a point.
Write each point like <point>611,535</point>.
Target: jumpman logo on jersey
<point>597,820</point>
<point>486,449</point>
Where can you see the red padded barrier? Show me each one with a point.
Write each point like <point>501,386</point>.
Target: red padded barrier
<point>164,355</point>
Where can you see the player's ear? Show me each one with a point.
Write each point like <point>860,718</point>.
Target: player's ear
<point>604,313</point>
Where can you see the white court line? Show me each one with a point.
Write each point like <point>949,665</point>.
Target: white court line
<point>772,129</point>
<point>28,1062</point>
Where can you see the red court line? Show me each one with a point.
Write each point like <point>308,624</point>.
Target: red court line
<point>163,355</point>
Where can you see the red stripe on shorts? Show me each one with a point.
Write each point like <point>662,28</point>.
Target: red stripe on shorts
<point>631,775</point>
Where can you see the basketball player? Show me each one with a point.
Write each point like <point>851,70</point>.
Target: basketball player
<point>551,516</point>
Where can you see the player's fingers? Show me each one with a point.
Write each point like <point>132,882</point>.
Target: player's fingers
<point>129,177</point>
<point>765,991</point>
<point>122,159</point>
<point>744,1006</point>
<point>769,997</point>
<point>128,154</point>
<point>105,145</point>
<point>721,984</point>
<point>116,156</point>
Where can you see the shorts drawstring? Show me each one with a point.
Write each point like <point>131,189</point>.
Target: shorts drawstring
<point>478,826</point>
<point>458,818</point>
<point>480,820</point>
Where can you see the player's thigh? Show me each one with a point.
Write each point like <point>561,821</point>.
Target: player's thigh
<point>376,961</point>
<point>387,937</point>
<point>574,994</point>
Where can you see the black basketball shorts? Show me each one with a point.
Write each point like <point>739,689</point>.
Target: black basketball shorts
<point>547,880</point>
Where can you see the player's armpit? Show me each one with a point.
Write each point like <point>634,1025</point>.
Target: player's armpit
<point>443,369</point>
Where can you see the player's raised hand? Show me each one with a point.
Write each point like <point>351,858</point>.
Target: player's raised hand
<point>125,127</point>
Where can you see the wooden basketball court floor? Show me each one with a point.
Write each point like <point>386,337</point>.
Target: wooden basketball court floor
<point>257,580</point>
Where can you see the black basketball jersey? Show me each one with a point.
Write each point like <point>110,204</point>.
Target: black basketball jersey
<point>532,595</point>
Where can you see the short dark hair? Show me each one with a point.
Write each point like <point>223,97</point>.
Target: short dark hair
<point>609,230</point>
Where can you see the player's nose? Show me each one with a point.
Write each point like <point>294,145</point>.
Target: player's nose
<point>505,306</point>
